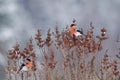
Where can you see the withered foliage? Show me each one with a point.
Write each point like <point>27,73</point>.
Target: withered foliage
<point>64,57</point>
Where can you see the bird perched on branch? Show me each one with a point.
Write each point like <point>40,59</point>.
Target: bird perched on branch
<point>75,32</point>
<point>26,66</point>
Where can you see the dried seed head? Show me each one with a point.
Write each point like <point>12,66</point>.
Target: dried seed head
<point>48,41</point>
<point>74,20</point>
<point>38,38</point>
<point>103,32</point>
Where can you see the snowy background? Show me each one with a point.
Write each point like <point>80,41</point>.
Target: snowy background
<point>19,19</point>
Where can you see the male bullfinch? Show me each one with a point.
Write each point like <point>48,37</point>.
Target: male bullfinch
<point>26,66</point>
<point>75,32</point>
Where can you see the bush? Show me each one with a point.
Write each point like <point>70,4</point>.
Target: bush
<point>64,57</point>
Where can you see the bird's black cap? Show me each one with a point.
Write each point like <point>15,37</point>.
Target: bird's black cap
<point>72,25</point>
<point>28,59</point>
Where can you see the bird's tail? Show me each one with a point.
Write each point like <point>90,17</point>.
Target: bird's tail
<point>20,68</point>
